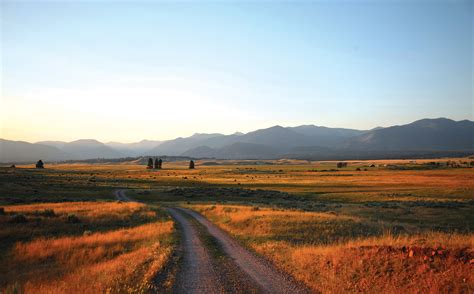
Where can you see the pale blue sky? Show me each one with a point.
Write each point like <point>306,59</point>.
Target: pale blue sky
<point>132,70</point>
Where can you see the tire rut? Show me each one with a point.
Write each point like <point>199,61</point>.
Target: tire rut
<point>196,274</point>
<point>220,264</point>
<point>265,277</point>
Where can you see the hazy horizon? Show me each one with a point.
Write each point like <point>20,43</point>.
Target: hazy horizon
<point>159,70</point>
<point>199,132</point>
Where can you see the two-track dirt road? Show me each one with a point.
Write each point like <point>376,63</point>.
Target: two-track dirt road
<point>234,270</point>
<point>197,273</point>
<point>121,196</point>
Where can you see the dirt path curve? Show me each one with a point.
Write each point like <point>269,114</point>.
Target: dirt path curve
<point>261,272</point>
<point>200,272</point>
<point>120,195</point>
<point>197,273</point>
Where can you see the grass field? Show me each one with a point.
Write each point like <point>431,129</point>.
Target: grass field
<point>340,254</point>
<point>75,247</point>
<point>336,229</point>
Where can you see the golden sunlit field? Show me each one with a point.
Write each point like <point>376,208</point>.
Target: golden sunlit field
<point>82,247</point>
<point>373,226</point>
<point>337,254</point>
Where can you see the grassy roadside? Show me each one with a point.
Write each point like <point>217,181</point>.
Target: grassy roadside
<point>77,247</point>
<point>332,255</point>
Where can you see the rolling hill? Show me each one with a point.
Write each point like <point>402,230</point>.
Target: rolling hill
<point>88,148</point>
<point>19,151</point>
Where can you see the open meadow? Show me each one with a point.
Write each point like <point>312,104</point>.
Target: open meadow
<point>82,247</point>
<point>371,226</point>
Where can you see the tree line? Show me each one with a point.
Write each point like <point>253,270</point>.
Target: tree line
<point>157,163</point>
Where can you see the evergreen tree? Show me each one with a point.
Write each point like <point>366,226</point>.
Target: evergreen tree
<point>39,164</point>
<point>191,164</point>
<point>158,163</point>
<point>150,163</point>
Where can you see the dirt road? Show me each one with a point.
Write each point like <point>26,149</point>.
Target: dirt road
<point>260,272</point>
<point>213,262</point>
<point>120,195</point>
<point>197,274</point>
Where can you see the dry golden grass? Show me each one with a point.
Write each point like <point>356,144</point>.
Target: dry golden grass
<point>341,250</point>
<point>263,224</point>
<point>85,209</point>
<point>92,211</point>
<point>116,260</point>
<point>330,253</point>
<point>413,180</point>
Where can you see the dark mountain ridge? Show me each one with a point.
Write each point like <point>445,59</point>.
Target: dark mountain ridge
<point>422,138</point>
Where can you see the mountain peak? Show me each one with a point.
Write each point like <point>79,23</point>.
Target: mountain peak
<point>276,127</point>
<point>86,142</point>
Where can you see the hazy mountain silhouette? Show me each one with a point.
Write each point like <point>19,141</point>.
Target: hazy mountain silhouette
<point>239,150</point>
<point>309,141</point>
<point>57,144</point>
<point>19,151</point>
<point>323,136</point>
<point>84,149</point>
<point>177,146</point>
<point>201,152</point>
<point>426,134</point>
<point>439,137</point>
<point>279,138</point>
<point>134,149</point>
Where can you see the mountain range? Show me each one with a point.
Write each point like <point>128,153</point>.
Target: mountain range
<point>426,137</point>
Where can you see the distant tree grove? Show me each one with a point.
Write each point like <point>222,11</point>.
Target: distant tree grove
<point>341,164</point>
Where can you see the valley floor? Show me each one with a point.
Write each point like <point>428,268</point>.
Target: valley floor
<point>382,226</point>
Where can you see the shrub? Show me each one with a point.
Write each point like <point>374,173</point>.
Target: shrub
<point>2,211</point>
<point>341,164</point>
<point>48,213</point>
<point>72,219</point>
<point>18,219</point>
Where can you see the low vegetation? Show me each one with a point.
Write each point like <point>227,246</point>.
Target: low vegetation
<point>340,254</point>
<point>370,226</point>
<point>82,247</point>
